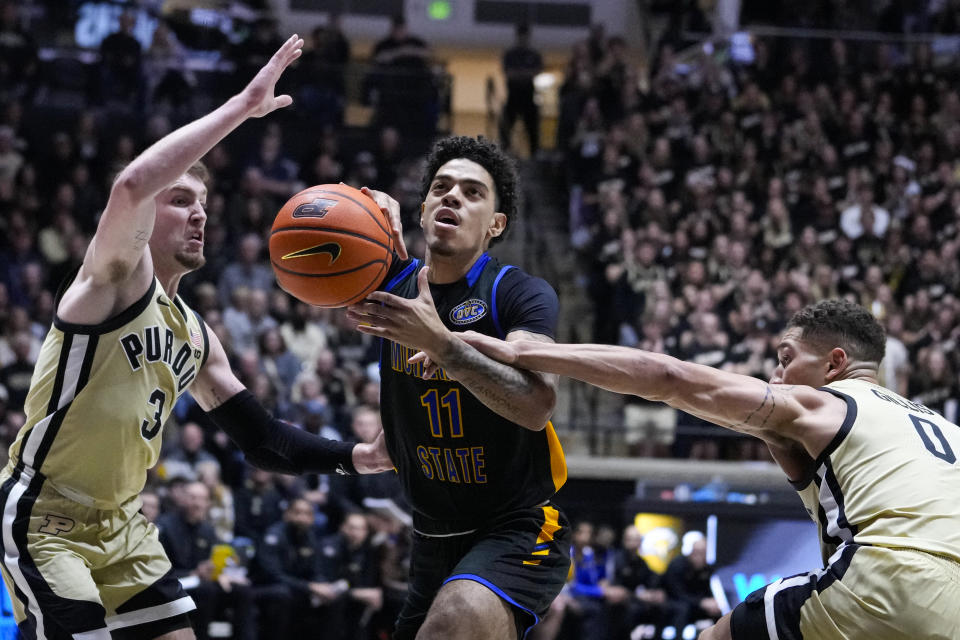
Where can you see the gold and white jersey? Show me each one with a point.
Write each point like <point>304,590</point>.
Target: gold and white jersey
<point>890,476</point>
<point>100,395</point>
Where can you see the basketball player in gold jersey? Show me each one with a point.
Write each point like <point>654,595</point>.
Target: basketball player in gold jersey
<point>79,560</point>
<point>878,473</point>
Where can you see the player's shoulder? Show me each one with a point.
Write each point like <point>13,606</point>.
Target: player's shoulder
<point>517,281</point>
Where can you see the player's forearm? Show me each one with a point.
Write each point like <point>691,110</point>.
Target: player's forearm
<point>520,396</point>
<point>271,444</point>
<point>618,369</point>
<point>168,158</point>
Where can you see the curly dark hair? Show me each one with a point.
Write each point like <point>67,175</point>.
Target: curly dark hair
<point>841,323</point>
<point>499,165</point>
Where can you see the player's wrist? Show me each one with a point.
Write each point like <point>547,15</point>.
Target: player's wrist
<point>443,347</point>
<point>368,458</point>
<point>240,106</point>
<point>361,458</point>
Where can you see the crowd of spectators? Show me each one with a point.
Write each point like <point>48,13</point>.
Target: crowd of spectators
<point>708,202</point>
<point>714,199</point>
<point>614,594</point>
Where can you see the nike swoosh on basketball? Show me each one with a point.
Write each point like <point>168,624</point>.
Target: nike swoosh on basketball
<point>331,248</point>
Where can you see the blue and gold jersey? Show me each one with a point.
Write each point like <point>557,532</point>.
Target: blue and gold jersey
<point>461,463</point>
<point>100,394</point>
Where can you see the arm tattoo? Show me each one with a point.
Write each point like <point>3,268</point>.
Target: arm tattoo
<point>485,375</point>
<point>768,396</point>
<point>499,386</point>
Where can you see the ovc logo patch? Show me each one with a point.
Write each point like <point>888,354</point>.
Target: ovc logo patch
<point>467,312</point>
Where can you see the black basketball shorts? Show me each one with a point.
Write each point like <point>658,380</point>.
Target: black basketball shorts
<point>523,556</point>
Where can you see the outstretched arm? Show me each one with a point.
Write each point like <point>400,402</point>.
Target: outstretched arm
<point>127,221</point>
<point>774,413</point>
<point>270,443</point>
<point>524,396</point>
<point>118,267</point>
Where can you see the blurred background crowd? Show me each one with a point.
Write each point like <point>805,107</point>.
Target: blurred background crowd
<point>721,197</point>
<point>707,193</point>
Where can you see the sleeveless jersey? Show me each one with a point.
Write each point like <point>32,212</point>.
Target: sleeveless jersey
<point>100,395</point>
<point>889,477</point>
<point>461,463</point>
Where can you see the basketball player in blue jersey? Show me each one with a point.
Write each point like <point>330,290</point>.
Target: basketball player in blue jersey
<point>473,445</point>
<point>79,559</point>
<point>877,472</point>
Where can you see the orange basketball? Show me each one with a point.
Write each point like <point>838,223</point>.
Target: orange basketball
<point>330,245</point>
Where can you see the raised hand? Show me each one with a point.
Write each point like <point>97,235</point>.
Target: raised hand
<point>258,94</point>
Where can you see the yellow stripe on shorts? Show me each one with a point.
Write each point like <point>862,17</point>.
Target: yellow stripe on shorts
<point>550,526</point>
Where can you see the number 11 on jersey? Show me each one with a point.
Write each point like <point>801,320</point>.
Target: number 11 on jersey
<point>433,401</point>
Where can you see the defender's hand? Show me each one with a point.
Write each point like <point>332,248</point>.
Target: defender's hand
<point>390,208</point>
<point>258,95</point>
<point>372,457</point>
<point>429,366</point>
<point>500,350</point>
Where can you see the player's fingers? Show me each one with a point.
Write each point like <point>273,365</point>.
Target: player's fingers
<point>369,309</point>
<point>296,53</point>
<point>387,299</point>
<point>423,283</point>
<point>280,57</point>
<point>282,101</point>
<point>398,236</point>
<point>477,340</point>
<point>384,324</point>
<point>380,332</point>
<point>429,366</point>
<point>381,199</point>
<point>391,211</point>
<point>357,313</point>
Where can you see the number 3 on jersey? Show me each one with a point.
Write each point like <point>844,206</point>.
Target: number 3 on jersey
<point>433,401</point>
<point>158,398</point>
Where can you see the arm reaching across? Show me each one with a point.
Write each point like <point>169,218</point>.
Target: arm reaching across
<point>775,413</point>
<point>270,443</point>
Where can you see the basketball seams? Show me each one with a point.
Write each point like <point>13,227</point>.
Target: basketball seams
<point>327,275</point>
<point>376,218</point>
<point>369,247</point>
<point>369,288</point>
<point>344,232</point>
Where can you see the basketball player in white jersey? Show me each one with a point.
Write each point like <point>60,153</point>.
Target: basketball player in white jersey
<point>79,560</point>
<point>878,473</point>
